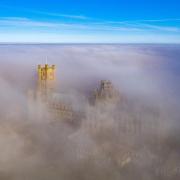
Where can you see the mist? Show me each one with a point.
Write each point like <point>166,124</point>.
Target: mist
<point>147,78</point>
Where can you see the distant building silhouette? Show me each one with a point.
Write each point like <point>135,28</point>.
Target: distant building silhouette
<point>106,92</point>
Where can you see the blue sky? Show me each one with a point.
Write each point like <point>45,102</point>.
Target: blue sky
<point>90,21</point>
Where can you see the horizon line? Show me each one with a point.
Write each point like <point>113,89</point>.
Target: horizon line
<point>76,43</point>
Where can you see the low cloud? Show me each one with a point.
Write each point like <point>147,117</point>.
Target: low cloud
<point>106,142</point>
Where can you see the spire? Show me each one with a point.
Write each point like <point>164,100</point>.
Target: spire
<point>46,60</point>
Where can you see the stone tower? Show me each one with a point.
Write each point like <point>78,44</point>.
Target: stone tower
<point>106,92</point>
<point>46,79</point>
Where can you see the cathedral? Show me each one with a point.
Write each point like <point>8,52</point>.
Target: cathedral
<point>47,101</point>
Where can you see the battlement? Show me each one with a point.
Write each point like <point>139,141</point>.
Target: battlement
<point>46,72</point>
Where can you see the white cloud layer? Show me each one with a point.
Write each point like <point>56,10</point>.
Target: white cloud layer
<point>33,148</point>
<point>131,30</point>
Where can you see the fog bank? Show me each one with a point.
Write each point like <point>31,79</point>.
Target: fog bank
<point>146,76</point>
